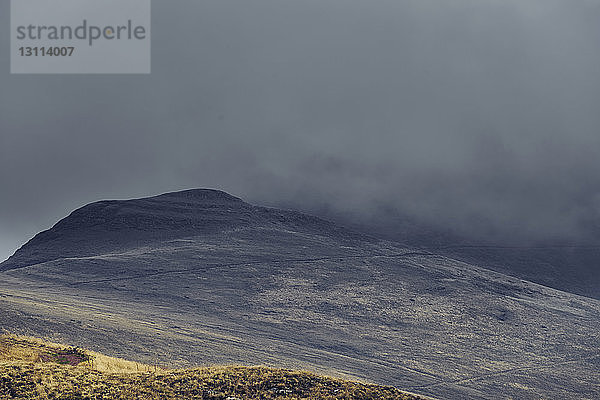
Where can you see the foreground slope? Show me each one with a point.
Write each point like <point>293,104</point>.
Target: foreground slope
<point>250,285</point>
<point>31,369</point>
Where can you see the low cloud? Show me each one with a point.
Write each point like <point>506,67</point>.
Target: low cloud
<point>480,117</point>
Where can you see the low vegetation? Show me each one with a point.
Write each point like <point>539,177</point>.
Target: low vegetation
<point>34,369</point>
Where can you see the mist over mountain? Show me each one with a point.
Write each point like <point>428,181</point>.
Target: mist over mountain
<point>442,157</point>
<point>570,265</point>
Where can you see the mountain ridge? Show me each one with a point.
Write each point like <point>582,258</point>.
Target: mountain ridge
<point>117,225</point>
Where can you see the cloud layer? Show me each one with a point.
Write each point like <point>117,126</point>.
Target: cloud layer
<point>480,116</point>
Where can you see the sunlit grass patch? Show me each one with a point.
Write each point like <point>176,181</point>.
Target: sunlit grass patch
<point>33,369</point>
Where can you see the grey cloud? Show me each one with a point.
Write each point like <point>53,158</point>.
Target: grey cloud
<point>478,115</point>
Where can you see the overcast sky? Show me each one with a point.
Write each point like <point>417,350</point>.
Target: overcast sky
<point>478,115</point>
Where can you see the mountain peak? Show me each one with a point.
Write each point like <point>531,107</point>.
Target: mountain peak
<point>205,195</point>
<point>111,226</point>
<point>114,225</point>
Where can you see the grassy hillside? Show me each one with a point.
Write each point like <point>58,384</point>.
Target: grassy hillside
<point>34,369</point>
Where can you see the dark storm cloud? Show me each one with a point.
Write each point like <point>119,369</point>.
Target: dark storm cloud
<point>475,115</point>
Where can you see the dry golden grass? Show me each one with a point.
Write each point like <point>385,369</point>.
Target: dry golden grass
<point>24,374</point>
<point>13,348</point>
<point>103,363</point>
<point>30,349</point>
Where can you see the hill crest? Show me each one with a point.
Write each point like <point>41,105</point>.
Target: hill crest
<point>118,225</point>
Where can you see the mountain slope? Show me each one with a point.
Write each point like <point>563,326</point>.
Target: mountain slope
<point>560,264</point>
<point>287,290</point>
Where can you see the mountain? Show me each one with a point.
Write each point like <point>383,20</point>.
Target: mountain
<point>117,225</point>
<point>202,278</point>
